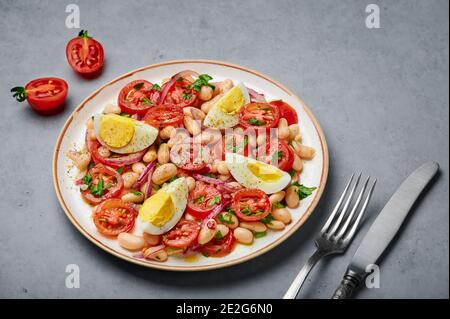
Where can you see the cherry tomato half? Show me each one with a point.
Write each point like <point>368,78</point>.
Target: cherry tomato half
<point>190,156</point>
<point>178,92</point>
<point>137,97</point>
<point>250,204</point>
<point>183,235</point>
<point>279,154</point>
<point>164,115</point>
<point>103,183</point>
<point>114,216</point>
<point>219,247</point>
<point>286,111</point>
<point>44,94</point>
<point>259,115</point>
<point>202,200</point>
<point>85,54</point>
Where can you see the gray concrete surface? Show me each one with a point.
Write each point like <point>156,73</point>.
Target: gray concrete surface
<point>381,96</point>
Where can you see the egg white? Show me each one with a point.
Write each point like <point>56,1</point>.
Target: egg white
<point>178,191</point>
<point>144,136</point>
<point>216,118</point>
<point>237,164</point>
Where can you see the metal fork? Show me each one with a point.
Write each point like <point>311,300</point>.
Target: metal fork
<point>337,233</point>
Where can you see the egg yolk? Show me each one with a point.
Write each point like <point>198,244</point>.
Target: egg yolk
<point>116,130</point>
<point>232,102</point>
<point>157,210</point>
<point>264,172</point>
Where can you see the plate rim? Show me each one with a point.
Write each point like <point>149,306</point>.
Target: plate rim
<point>161,266</point>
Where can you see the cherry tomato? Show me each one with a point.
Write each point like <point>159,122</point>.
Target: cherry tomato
<point>164,115</point>
<point>286,111</point>
<point>219,247</point>
<point>44,95</point>
<point>102,183</point>
<point>183,235</point>
<point>202,200</point>
<point>137,97</point>
<point>190,156</point>
<point>178,92</point>
<point>85,54</point>
<point>250,204</point>
<point>279,154</point>
<point>259,115</point>
<point>114,216</point>
<point>236,142</point>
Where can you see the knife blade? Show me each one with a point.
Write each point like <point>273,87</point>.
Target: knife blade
<point>385,227</point>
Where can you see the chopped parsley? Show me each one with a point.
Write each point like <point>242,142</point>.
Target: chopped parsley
<point>303,191</point>
<point>218,235</point>
<point>146,101</point>
<point>256,122</point>
<point>214,200</point>
<point>87,179</point>
<point>267,220</point>
<point>137,193</point>
<point>156,87</point>
<point>124,114</point>
<point>291,172</point>
<point>172,179</point>
<point>119,170</point>
<point>226,218</point>
<point>138,86</point>
<point>203,80</point>
<point>279,205</point>
<point>276,156</point>
<point>245,210</point>
<point>91,165</point>
<point>259,234</point>
<point>98,189</point>
<point>186,96</point>
<point>199,200</point>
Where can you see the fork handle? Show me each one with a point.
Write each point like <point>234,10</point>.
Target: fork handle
<point>349,283</point>
<point>301,276</point>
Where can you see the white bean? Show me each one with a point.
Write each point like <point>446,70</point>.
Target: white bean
<point>292,199</point>
<point>222,230</point>
<point>283,129</point>
<point>163,173</point>
<point>129,179</point>
<point>277,197</point>
<point>80,159</point>
<point>112,109</point>
<point>150,156</point>
<point>193,126</point>
<point>257,227</point>
<point>166,132</point>
<point>276,225</point>
<point>297,165</point>
<point>243,235</point>
<point>190,183</point>
<point>138,167</point>
<point>206,107</point>
<point>230,220</point>
<point>133,197</point>
<point>163,154</point>
<point>151,240</point>
<point>130,241</point>
<point>222,168</point>
<point>206,93</point>
<point>207,232</point>
<point>282,214</point>
<point>306,152</point>
<point>104,152</point>
<point>293,131</point>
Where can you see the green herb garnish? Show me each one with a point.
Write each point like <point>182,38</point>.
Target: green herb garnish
<point>172,179</point>
<point>291,172</point>
<point>146,101</point>
<point>202,80</point>
<point>186,96</point>
<point>87,179</point>
<point>303,191</point>
<point>137,193</point>
<point>259,234</point>
<point>124,114</point>
<point>156,87</point>
<point>224,220</point>
<point>199,200</point>
<point>20,94</point>
<point>279,205</point>
<point>267,220</point>
<point>245,211</point>
<point>98,190</point>
<point>138,86</point>
<point>214,200</point>
<point>218,235</point>
<point>119,170</point>
<point>256,122</point>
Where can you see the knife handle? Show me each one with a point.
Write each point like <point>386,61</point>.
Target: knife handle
<point>349,283</point>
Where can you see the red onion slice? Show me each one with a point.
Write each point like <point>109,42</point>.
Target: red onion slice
<point>141,180</point>
<point>168,85</point>
<point>255,96</point>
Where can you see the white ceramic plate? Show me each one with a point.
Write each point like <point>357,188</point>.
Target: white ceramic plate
<point>72,135</point>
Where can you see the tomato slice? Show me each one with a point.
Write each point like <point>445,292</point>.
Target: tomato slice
<point>259,115</point>
<point>137,97</point>
<point>164,115</point>
<point>103,183</point>
<point>286,111</point>
<point>43,94</point>
<point>114,216</point>
<point>219,247</point>
<point>190,156</point>
<point>178,92</point>
<point>85,54</point>
<point>236,142</point>
<point>279,154</point>
<point>183,235</point>
<point>202,200</point>
<point>250,204</point>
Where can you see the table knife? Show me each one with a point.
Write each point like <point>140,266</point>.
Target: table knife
<point>384,228</point>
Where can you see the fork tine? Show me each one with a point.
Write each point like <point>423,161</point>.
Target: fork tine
<point>353,211</point>
<point>338,205</point>
<point>338,222</point>
<point>352,231</point>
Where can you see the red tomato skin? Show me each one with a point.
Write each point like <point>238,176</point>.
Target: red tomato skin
<point>88,72</point>
<point>208,192</point>
<point>48,105</point>
<point>126,106</point>
<point>247,192</point>
<point>114,203</point>
<point>219,248</point>
<point>286,111</point>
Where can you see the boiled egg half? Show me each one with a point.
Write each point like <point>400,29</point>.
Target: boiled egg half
<point>162,211</point>
<point>256,174</point>
<point>123,135</point>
